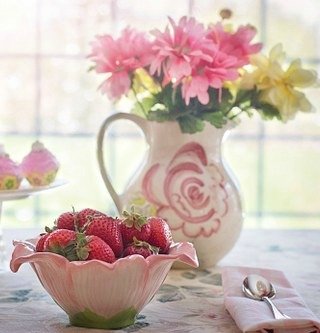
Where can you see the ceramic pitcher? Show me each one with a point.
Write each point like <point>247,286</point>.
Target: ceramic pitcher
<point>184,180</point>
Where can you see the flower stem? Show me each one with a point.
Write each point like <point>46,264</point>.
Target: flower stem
<point>139,102</point>
<point>235,115</point>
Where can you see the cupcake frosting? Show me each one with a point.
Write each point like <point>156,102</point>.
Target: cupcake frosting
<point>7,166</point>
<point>10,173</point>
<point>39,160</point>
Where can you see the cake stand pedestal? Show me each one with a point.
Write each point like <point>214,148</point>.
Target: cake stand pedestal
<point>23,192</point>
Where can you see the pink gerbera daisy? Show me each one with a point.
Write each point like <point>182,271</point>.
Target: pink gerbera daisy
<point>237,44</point>
<point>179,49</point>
<point>119,58</point>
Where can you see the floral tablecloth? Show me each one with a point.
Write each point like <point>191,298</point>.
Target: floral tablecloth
<point>188,301</point>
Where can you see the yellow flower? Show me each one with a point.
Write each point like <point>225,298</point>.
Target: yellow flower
<point>143,82</point>
<point>287,100</point>
<point>141,205</point>
<point>279,86</point>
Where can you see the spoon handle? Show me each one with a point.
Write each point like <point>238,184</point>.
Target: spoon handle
<point>276,312</point>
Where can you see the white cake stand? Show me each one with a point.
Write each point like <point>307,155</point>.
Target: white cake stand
<point>24,191</point>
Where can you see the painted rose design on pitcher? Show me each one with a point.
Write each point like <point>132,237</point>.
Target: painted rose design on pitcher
<point>184,179</point>
<point>192,195</point>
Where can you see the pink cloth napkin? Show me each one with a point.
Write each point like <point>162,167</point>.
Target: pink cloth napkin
<point>256,316</point>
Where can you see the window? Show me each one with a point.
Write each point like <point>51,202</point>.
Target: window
<point>47,93</point>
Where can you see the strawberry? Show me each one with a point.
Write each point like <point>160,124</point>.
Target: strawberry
<point>134,225</point>
<point>93,247</point>
<point>160,235</point>
<point>108,229</point>
<point>86,215</point>
<point>66,220</point>
<point>42,239</point>
<point>63,242</point>
<point>40,243</point>
<point>140,247</point>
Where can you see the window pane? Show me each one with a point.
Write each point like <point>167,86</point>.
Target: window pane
<point>67,27</point>
<point>125,150</point>
<point>299,19</point>
<point>292,181</point>
<point>18,95</point>
<point>155,14</point>
<point>242,157</point>
<point>70,98</point>
<point>17,26</point>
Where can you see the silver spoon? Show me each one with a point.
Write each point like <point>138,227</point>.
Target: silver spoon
<point>258,288</point>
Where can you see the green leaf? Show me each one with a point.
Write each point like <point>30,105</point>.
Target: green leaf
<point>143,107</point>
<point>82,253</point>
<point>159,115</point>
<point>244,96</point>
<point>190,124</point>
<point>171,98</point>
<point>48,230</point>
<point>134,219</point>
<point>216,119</point>
<point>138,110</point>
<point>226,100</point>
<point>91,68</point>
<point>219,103</point>
<point>166,97</point>
<point>268,111</point>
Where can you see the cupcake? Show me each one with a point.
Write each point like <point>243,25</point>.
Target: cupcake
<point>40,166</point>
<point>10,173</point>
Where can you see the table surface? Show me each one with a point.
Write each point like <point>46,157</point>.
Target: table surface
<point>188,301</point>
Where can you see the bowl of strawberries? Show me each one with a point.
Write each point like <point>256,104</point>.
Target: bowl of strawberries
<point>102,270</point>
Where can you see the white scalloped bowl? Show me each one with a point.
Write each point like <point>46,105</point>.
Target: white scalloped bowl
<point>97,294</point>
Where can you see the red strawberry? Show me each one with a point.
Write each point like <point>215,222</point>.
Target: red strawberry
<point>63,242</point>
<point>40,243</point>
<point>134,225</point>
<point>66,221</point>
<point>142,248</point>
<point>93,247</point>
<point>86,215</point>
<point>108,229</point>
<point>42,239</point>
<point>160,234</point>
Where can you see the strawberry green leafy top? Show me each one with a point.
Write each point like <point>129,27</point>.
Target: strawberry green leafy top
<point>192,73</point>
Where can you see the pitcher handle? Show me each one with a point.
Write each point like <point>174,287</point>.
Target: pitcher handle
<point>140,122</point>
